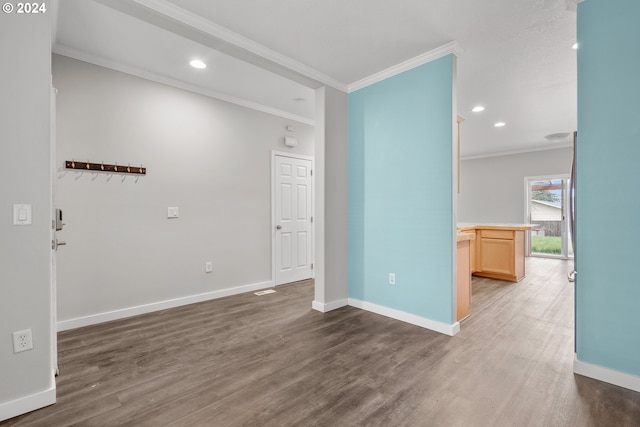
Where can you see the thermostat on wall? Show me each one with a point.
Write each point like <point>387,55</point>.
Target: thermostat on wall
<point>290,141</point>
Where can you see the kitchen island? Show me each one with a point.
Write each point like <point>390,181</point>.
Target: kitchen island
<point>499,250</point>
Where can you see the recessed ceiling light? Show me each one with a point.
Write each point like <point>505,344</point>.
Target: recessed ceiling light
<point>575,46</point>
<point>196,63</point>
<point>477,109</point>
<point>499,124</point>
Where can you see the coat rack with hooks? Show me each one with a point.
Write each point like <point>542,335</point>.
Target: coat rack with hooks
<point>104,167</point>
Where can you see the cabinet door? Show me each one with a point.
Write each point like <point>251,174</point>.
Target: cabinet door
<point>472,255</point>
<point>497,256</point>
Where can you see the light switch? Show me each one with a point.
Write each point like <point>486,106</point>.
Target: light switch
<point>172,212</point>
<point>21,214</point>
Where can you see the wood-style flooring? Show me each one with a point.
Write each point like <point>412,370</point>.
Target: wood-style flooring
<point>271,360</point>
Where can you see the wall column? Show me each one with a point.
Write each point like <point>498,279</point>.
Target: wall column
<point>330,262</point>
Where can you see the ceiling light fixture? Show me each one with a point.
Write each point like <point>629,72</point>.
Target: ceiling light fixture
<point>477,109</point>
<point>574,46</point>
<point>196,63</point>
<point>500,124</point>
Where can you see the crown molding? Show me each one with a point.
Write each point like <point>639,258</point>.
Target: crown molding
<point>188,19</point>
<point>523,151</point>
<point>449,48</point>
<point>158,78</point>
<point>572,5</point>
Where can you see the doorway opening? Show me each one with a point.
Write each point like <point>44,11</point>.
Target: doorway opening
<point>547,203</point>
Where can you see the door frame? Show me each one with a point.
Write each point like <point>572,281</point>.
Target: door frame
<point>527,213</point>
<point>274,154</point>
<point>53,260</point>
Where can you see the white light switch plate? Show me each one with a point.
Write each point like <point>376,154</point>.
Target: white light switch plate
<point>21,214</point>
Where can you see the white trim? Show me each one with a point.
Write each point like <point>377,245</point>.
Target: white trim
<point>274,154</point>
<point>191,20</point>
<point>53,257</point>
<point>316,305</point>
<point>107,316</point>
<point>154,77</point>
<point>523,151</point>
<point>54,10</point>
<point>403,316</point>
<point>600,373</point>
<point>292,155</point>
<point>455,186</point>
<point>29,403</point>
<point>449,48</point>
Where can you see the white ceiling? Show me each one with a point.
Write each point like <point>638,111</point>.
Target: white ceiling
<point>516,57</point>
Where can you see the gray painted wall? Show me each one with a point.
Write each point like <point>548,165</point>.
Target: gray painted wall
<point>492,188</point>
<point>25,294</point>
<point>207,157</point>
<point>331,196</point>
<point>336,203</point>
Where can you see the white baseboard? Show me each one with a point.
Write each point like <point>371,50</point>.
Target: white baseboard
<point>325,307</point>
<point>26,404</point>
<point>443,328</point>
<point>600,373</point>
<point>93,319</point>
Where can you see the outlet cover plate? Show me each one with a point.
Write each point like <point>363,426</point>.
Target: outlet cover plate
<point>22,341</point>
<point>173,212</point>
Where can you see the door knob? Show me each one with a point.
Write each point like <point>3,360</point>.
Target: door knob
<point>278,227</point>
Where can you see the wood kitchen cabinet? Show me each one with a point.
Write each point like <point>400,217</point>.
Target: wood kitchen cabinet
<point>472,254</point>
<point>500,254</point>
<point>463,274</point>
<point>498,251</point>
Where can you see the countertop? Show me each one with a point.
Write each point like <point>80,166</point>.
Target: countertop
<point>462,236</point>
<point>468,226</point>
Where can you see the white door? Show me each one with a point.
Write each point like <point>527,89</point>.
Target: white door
<point>293,217</point>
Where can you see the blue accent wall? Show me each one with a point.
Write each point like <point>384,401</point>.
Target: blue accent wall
<point>400,191</point>
<point>608,185</point>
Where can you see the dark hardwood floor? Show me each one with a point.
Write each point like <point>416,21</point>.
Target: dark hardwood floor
<point>271,360</point>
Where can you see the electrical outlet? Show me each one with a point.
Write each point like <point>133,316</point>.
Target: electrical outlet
<point>208,267</point>
<point>22,341</point>
<point>392,278</point>
<point>173,212</point>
